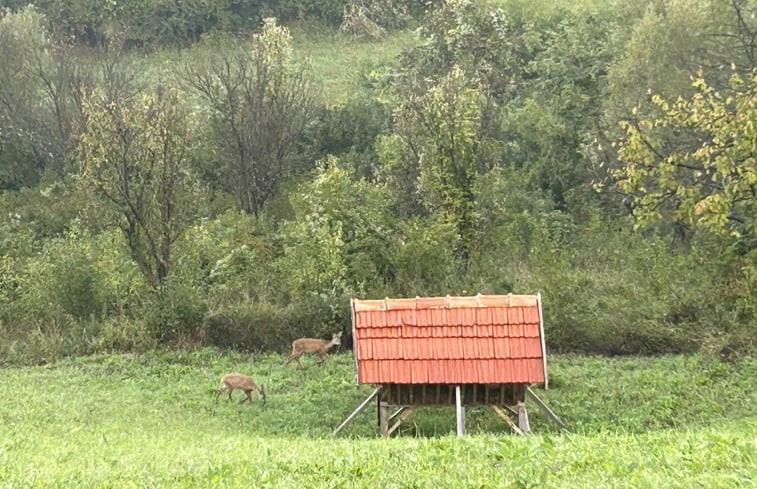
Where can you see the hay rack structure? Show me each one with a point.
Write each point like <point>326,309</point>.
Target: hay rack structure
<point>462,351</point>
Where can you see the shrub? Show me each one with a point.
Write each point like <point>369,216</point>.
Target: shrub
<point>176,313</point>
<point>263,326</point>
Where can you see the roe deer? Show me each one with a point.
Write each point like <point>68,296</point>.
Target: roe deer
<point>243,382</point>
<point>312,345</point>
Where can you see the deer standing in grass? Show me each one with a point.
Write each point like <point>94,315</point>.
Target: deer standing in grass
<point>312,345</point>
<point>244,383</point>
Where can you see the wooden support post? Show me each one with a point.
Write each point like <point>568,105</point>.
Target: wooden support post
<point>542,405</point>
<point>507,419</point>
<point>397,413</point>
<point>359,409</point>
<point>460,412</point>
<point>402,417</point>
<point>383,419</point>
<point>523,417</point>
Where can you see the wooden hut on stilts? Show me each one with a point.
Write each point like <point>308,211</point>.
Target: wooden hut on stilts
<point>461,351</point>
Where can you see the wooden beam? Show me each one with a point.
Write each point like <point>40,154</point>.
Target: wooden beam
<point>460,412</point>
<point>523,417</point>
<point>397,413</point>
<point>507,419</point>
<point>359,409</point>
<point>402,417</point>
<point>543,406</point>
<point>543,342</point>
<point>383,420</point>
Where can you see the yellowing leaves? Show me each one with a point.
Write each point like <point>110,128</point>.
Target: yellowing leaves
<point>695,162</point>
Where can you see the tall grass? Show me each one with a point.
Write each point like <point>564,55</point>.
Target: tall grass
<point>150,421</point>
<point>339,61</point>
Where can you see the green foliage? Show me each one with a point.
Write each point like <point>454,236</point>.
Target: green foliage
<point>176,313</point>
<point>476,37</point>
<point>438,135</point>
<point>166,22</point>
<point>259,102</point>
<point>695,162</point>
<point>426,258</point>
<point>458,166</point>
<point>617,292</point>
<point>349,131</point>
<point>340,242</point>
<point>559,104</point>
<point>21,34</point>
<point>77,276</point>
<point>330,11</point>
<point>254,326</point>
<point>63,300</point>
<point>135,154</point>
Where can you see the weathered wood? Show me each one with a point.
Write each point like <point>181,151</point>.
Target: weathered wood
<point>523,417</point>
<point>543,342</point>
<point>383,419</point>
<point>397,413</point>
<point>460,409</point>
<point>543,406</point>
<point>441,394</point>
<point>402,417</point>
<point>507,419</point>
<point>359,409</point>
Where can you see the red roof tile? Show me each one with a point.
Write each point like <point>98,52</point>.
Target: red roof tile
<point>478,339</point>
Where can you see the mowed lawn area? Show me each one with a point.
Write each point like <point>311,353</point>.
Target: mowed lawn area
<point>150,420</point>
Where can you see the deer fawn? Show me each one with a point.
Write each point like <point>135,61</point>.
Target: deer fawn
<point>243,382</point>
<point>312,345</point>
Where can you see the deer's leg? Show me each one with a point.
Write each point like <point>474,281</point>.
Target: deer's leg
<point>218,392</point>
<point>230,391</point>
<point>291,357</point>
<point>246,397</point>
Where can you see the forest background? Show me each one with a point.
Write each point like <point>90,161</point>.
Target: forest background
<point>229,173</point>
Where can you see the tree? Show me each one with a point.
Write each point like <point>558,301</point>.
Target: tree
<point>42,80</point>
<point>437,151</point>
<point>136,154</point>
<point>696,162</point>
<point>260,103</point>
<point>21,160</point>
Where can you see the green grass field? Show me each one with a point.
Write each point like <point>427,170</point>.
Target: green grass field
<point>150,421</point>
<point>339,61</point>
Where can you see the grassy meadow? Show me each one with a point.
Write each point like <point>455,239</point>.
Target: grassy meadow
<point>340,61</point>
<point>150,420</point>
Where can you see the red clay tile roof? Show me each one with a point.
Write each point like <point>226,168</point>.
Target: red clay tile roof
<point>484,339</point>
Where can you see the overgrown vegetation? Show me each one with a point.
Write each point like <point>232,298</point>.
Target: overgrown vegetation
<point>193,175</point>
<point>151,420</point>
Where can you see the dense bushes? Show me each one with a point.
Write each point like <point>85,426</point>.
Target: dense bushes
<point>237,285</point>
<point>167,22</point>
<point>479,161</point>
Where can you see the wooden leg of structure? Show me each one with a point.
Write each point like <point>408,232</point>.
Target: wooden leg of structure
<point>383,410</point>
<point>507,419</point>
<point>523,417</point>
<point>460,412</point>
<point>359,409</point>
<point>405,413</point>
<point>545,408</point>
<point>397,413</point>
